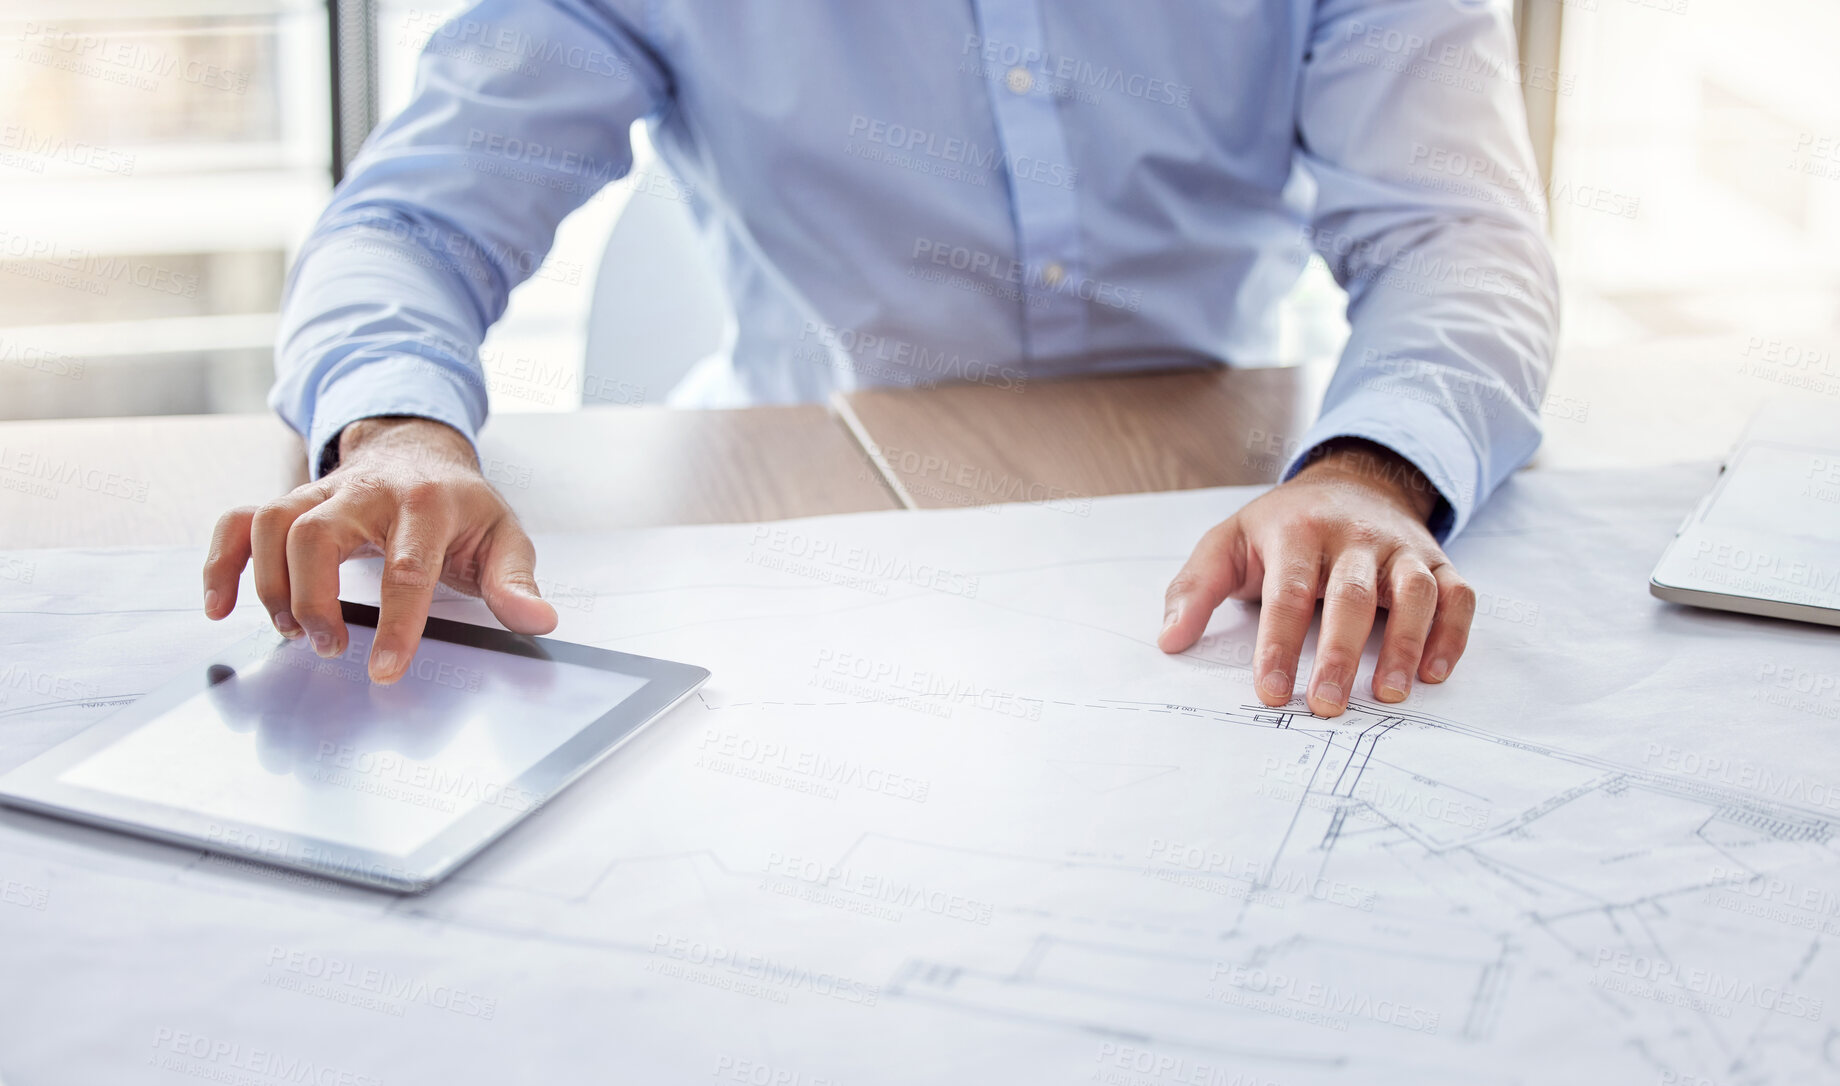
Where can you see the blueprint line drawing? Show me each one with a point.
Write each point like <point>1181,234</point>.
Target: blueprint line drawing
<point>944,813</point>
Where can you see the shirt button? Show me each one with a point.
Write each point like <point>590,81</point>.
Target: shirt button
<point>1019,80</point>
<point>1053,274</point>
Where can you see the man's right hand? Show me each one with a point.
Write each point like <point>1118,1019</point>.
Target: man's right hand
<point>409,488</point>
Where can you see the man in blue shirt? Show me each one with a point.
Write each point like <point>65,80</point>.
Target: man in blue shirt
<point>1072,187</point>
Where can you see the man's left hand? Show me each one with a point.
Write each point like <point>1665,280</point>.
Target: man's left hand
<point>1348,529</point>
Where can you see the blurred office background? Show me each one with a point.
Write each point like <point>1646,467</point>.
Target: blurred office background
<point>161,160</point>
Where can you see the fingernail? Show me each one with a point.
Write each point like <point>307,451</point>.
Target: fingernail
<point>1394,684</point>
<point>1276,683</point>
<point>1330,692</point>
<point>286,624</point>
<point>322,644</point>
<point>383,664</point>
<point>210,602</point>
<point>1440,668</point>
<point>1172,616</point>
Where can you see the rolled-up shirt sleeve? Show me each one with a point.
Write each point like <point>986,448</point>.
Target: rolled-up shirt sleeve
<point>1430,214</point>
<point>521,112</point>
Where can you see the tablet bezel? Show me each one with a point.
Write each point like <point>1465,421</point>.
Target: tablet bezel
<point>35,785</point>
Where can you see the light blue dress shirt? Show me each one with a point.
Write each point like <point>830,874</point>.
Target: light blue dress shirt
<point>991,190</point>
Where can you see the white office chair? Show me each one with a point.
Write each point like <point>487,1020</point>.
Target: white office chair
<point>658,308</point>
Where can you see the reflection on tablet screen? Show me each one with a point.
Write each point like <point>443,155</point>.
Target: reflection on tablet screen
<point>308,746</point>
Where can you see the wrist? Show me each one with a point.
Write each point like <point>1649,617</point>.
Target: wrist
<point>403,436</point>
<point>1353,461</point>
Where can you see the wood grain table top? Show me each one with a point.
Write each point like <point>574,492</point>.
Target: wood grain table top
<point>1059,440</point>
<point>164,480</point>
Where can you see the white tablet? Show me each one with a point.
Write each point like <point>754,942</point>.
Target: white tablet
<point>270,753</point>
<point>1762,542</point>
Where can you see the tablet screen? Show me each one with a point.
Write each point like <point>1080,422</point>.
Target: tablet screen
<point>312,747</point>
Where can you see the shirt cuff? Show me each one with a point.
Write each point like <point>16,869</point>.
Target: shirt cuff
<point>402,385</point>
<point>1423,435</point>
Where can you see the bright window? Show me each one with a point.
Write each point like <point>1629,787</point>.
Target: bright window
<point>156,171</point>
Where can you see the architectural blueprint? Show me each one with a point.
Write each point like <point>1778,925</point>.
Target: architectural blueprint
<point>945,814</point>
